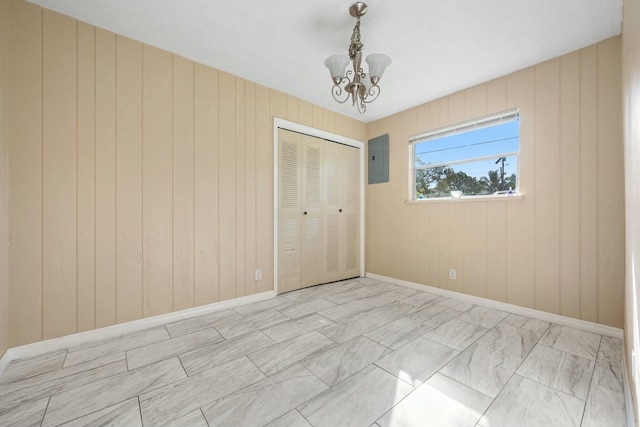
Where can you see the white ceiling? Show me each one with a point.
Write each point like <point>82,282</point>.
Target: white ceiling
<point>437,47</point>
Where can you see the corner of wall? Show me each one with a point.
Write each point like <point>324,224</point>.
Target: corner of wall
<point>4,176</point>
<point>631,114</point>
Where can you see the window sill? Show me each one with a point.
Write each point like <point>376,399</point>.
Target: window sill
<point>501,197</point>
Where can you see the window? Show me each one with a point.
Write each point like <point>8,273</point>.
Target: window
<point>474,158</point>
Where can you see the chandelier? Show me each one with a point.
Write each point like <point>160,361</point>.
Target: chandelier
<point>361,87</point>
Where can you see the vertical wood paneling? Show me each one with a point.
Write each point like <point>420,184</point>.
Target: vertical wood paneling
<point>423,238</point>
<point>370,232</point>
<point>129,209</point>
<point>329,122</point>
<point>588,185</point>
<point>497,251</point>
<point>305,113</point>
<point>206,184</point>
<point>264,184</point>
<point>397,184</point>
<point>434,245</point>
<point>443,247</point>
<point>25,173</point>
<point>240,189</point>
<point>157,181</point>
<point>318,117</point>
<point>183,188</point>
<point>59,189</point>
<point>475,102</point>
<point>279,104</point>
<point>570,185</point>
<point>250,188</point>
<point>105,178</point>
<point>520,214</point>
<point>384,234</point>
<point>277,108</point>
<point>292,108</point>
<point>86,177</point>
<point>227,185</point>
<point>456,244</point>
<point>410,226</point>
<point>353,128</point>
<point>475,249</point>
<point>497,95</point>
<point>339,125</point>
<point>610,185</point>
<point>547,190</point>
<point>456,108</point>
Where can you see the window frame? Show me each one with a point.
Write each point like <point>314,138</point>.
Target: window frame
<point>459,128</point>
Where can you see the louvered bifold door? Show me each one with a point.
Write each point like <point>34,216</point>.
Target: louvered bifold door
<point>289,207</point>
<point>312,227</point>
<point>334,252</point>
<point>350,215</point>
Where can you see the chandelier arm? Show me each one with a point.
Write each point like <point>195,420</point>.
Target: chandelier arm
<point>348,77</point>
<point>371,94</point>
<point>337,92</point>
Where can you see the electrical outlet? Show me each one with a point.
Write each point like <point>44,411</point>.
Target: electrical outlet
<point>258,274</point>
<point>452,274</point>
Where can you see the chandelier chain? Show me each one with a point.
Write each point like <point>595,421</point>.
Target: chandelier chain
<point>356,45</point>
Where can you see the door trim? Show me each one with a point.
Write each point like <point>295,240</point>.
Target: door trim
<point>279,123</point>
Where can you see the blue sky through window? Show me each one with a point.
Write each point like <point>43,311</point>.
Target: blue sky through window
<point>485,142</point>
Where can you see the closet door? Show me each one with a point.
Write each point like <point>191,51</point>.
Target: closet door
<point>333,249</point>
<point>313,210</point>
<point>289,208</point>
<point>318,211</point>
<point>350,215</point>
<point>342,213</point>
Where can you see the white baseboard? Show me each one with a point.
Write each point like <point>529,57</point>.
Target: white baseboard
<point>584,325</point>
<point>29,350</point>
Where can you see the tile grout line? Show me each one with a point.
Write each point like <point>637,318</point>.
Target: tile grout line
<point>515,370</point>
<point>586,400</point>
<point>140,410</point>
<point>44,414</point>
<point>203,416</point>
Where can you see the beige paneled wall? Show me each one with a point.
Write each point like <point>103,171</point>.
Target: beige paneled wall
<point>141,182</point>
<point>559,250</point>
<point>4,189</point>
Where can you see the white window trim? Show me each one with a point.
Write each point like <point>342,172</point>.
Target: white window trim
<point>479,123</point>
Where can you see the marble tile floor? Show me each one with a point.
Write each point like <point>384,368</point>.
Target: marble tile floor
<point>354,353</point>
